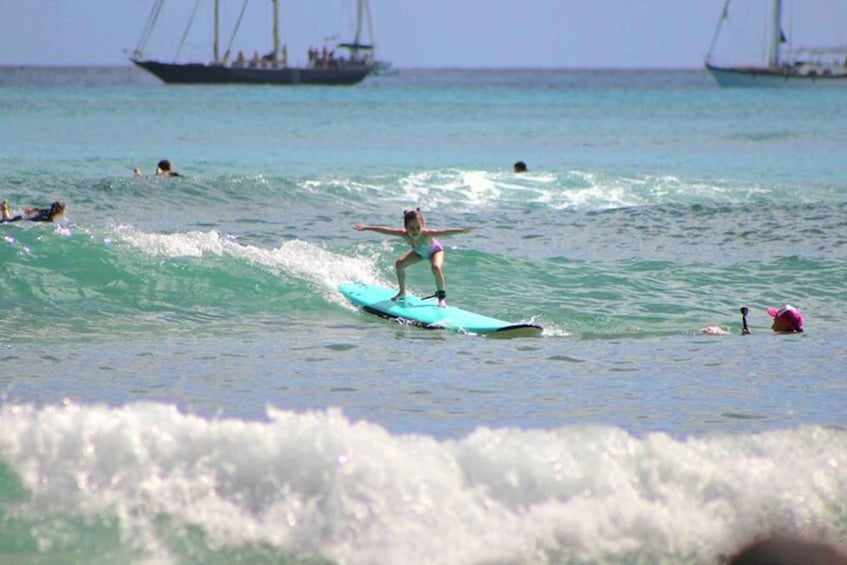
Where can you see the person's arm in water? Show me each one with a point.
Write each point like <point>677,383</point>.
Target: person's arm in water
<point>745,329</point>
<point>381,229</point>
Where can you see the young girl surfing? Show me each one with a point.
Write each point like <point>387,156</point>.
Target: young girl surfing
<point>424,246</point>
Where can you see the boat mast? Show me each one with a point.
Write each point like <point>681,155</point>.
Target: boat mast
<point>724,16</point>
<point>363,16</point>
<point>776,35</point>
<point>357,38</point>
<point>276,30</point>
<point>217,32</point>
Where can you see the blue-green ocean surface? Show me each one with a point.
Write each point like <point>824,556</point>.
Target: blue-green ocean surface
<point>182,383</point>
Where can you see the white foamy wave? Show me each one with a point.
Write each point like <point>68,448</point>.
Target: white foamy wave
<point>313,263</point>
<point>474,189</point>
<point>317,484</point>
<point>605,191</point>
<point>293,258</point>
<point>185,244</point>
<point>471,190</point>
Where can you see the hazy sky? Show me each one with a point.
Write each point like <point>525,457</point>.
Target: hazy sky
<point>427,33</point>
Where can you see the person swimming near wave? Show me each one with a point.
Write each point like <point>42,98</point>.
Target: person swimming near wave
<point>520,167</point>
<point>163,169</point>
<point>6,215</point>
<point>55,212</point>
<point>424,246</point>
<point>786,319</point>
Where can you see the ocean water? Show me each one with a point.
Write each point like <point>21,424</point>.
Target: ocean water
<point>182,383</point>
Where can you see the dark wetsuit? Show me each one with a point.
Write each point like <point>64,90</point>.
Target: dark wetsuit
<point>41,215</point>
<point>12,219</point>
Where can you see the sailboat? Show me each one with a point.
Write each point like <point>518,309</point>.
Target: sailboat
<point>795,68</point>
<point>325,67</point>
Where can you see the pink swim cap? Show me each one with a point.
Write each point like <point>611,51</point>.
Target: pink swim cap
<point>789,316</point>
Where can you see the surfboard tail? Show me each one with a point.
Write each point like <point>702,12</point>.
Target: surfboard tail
<point>517,330</point>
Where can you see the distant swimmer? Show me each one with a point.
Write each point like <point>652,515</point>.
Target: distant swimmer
<point>424,246</point>
<point>520,167</point>
<point>55,212</point>
<point>136,172</point>
<point>6,215</point>
<point>163,169</point>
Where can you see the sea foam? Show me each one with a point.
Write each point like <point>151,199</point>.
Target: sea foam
<point>316,483</point>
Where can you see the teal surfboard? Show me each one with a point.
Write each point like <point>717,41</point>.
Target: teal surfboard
<point>426,313</point>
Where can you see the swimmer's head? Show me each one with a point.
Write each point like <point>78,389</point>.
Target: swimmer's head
<point>786,319</point>
<point>57,210</point>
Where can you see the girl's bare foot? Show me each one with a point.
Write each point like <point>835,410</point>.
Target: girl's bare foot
<point>399,296</point>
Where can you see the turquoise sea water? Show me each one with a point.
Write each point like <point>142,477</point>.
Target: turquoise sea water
<point>181,381</point>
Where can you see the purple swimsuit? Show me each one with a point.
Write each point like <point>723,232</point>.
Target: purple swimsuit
<point>427,249</point>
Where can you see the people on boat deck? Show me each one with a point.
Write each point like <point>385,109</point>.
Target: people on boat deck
<point>424,246</point>
<point>520,167</point>
<point>322,59</point>
<point>163,169</point>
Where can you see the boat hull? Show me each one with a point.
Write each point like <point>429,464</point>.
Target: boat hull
<point>765,77</point>
<point>198,73</point>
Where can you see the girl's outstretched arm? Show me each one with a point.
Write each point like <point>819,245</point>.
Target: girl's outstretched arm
<point>450,231</point>
<point>380,229</point>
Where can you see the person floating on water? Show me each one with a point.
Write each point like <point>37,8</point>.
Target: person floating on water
<point>520,167</point>
<point>163,169</point>
<point>55,212</point>
<point>51,214</point>
<point>424,246</point>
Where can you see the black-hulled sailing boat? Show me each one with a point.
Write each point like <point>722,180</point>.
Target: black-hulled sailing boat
<point>324,67</point>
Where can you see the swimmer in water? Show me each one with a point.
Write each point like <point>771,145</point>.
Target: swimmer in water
<point>55,212</point>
